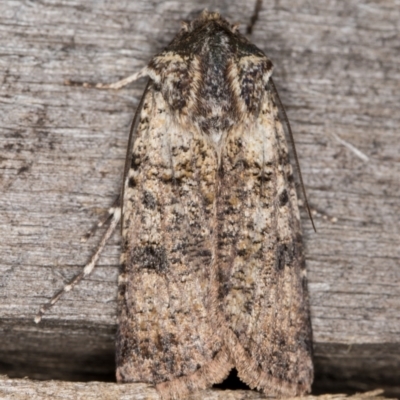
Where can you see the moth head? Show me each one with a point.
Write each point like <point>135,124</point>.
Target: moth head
<point>211,73</point>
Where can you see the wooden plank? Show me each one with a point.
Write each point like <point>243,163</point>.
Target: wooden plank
<point>62,152</point>
<point>25,389</point>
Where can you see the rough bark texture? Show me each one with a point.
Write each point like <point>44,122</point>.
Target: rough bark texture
<point>62,152</point>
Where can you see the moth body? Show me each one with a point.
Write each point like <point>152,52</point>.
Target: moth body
<point>213,274</point>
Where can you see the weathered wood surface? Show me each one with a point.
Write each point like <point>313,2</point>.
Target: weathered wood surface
<point>62,149</point>
<point>25,389</point>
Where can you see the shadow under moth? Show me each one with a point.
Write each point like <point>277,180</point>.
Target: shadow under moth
<point>213,274</point>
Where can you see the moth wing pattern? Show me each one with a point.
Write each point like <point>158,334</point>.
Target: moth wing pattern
<point>213,275</point>
<point>165,336</point>
<point>261,278</point>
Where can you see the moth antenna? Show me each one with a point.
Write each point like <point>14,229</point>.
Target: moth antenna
<point>89,267</point>
<point>128,158</point>
<point>294,150</point>
<point>254,17</point>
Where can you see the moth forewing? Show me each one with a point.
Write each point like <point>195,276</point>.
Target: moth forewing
<point>164,329</point>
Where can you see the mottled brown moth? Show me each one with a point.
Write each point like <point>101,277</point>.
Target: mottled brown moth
<point>213,274</point>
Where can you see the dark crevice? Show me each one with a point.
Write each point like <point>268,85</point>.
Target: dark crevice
<point>232,382</point>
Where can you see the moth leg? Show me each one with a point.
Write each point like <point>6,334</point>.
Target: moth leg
<point>116,85</point>
<point>123,82</point>
<point>87,270</point>
<point>103,220</point>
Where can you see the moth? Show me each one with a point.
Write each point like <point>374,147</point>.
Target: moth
<point>213,274</point>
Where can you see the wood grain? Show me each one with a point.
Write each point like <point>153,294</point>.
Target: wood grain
<point>62,152</point>
<point>25,389</point>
